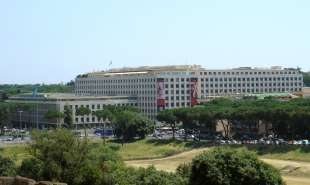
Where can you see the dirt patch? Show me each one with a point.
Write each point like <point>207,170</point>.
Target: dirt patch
<point>168,163</point>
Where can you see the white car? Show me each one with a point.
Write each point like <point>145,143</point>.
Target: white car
<point>9,139</point>
<point>305,142</point>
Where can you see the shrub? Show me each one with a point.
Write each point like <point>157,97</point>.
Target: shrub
<point>184,170</point>
<point>224,166</point>
<point>7,167</point>
<point>31,168</point>
<point>148,176</point>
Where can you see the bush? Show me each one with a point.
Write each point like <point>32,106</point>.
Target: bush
<point>31,168</point>
<point>184,170</point>
<point>148,176</point>
<point>7,167</point>
<point>224,166</point>
<point>59,156</point>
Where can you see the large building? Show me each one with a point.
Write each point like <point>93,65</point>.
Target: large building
<point>33,116</point>
<point>166,87</point>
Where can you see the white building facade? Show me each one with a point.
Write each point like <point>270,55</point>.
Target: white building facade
<point>34,117</point>
<point>168,87</point>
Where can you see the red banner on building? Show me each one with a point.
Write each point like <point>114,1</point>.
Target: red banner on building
<point>194,91</point>
<point>160,92</point>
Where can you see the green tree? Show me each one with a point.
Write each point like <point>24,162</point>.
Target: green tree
<point>306,78</point>
<point>83,111</point>
<point>61,157</point>
<point>68,119</point>
<point>143,126</point>
<point>4,115</point>
<point>123,125</point>
<point>146,176</point>
<point>52,115</point>
<point>183,116</point>
<point>7,167</point>
<point>224,166</point>
<point>168,116</point>
<point>128,125</point>
<point>104,115</point>
<point>31,168</point>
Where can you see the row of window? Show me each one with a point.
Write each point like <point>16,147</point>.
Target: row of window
<point>248,72</point>
<point>252,79</point>
<point>251,84</point>
<point>100,106</point>
<point>262,90</point>
<point>116,81</point>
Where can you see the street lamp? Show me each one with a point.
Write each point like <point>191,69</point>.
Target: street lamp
<point>20,121</point>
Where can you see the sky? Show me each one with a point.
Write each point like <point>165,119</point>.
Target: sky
<point>52,41</point>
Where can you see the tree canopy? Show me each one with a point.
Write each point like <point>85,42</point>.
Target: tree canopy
<point>289,119</point>
<point>226,166</point>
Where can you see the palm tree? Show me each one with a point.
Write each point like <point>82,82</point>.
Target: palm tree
<point>103,116</point>
<point>83,111</point>
<point>51,114</point>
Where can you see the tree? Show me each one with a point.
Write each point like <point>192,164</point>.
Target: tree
<point>183,116</point>
<point>223,166</point>
<point>147,176</point>
<point>128,125</point>
<point>7,167</point>
<point>123,125</point>
<point>104,115</point>
<point>51,115</point>
<point>143,126</point>
<point>68,120</point>
<point>4,115</point>
<point>31,168</point>
<point>60,156</point>
<point>168,116</point>
<point>83,111</point>
<point>306,78</point>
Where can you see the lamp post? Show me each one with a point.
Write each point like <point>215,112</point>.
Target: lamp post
<point>20,121</point>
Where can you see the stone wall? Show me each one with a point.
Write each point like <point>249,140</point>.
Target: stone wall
<point>24,181</point>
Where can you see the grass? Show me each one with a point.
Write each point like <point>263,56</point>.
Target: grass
<point>295,153</point>
<point>15,152</point>
<point>153,152</point>
<point>151,149</point>
<point>141,149</point>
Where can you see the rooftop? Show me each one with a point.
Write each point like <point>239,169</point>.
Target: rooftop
<point>168,68</point>
<point>64,97</point>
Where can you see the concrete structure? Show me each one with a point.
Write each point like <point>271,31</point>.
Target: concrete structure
<point>40,104</point>
<point>168,87</point>
<point>306,92</point>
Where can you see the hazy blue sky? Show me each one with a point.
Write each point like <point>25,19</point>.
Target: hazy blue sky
<point>53,41</point>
